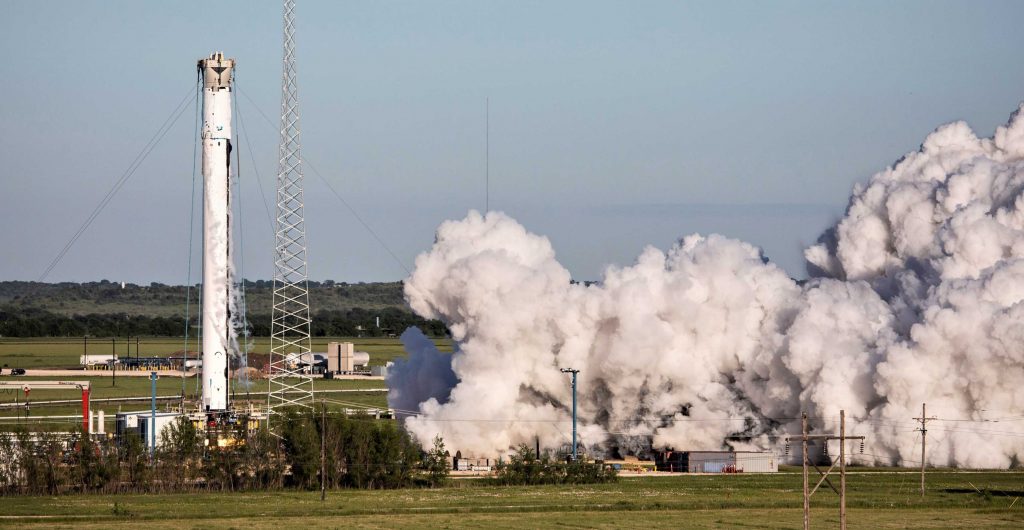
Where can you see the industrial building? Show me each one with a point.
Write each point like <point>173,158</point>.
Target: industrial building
<point>143,423</point>
<point>717,461</point>
<point>459,463</point>
<point>343,359</point>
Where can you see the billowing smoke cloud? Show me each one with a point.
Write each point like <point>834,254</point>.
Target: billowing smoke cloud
<point>426,375</point>
<point>915,297</point>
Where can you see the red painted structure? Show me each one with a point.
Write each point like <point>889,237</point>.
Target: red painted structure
<point>85,386</point>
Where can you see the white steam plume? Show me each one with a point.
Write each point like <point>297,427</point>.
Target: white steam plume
<point>915,297</point>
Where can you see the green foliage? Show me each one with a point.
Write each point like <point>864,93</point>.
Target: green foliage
<point>358,452</point>
<point>131,453</point>
<point>121,510</point>
<point>301,439</point>
<point>105,309</point>
<point>526,468</point>
<point>181,452</point>
<point>91,469</point>
<point>436,463</point>
<point>181,439</point>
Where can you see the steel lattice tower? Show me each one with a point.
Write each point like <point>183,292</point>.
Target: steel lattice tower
<point>289,340</point>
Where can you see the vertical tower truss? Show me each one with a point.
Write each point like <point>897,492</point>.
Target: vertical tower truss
<point>290,385</point>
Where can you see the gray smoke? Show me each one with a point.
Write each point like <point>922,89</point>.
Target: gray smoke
<point>915,297</point>
<point>425,375</point>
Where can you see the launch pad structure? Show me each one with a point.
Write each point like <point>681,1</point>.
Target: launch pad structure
<point>215,414</point>
<point>222,313</point>
<point>289,385</point>
<point>217,306</point>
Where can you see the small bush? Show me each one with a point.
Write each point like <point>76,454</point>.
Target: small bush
<point>525,468</point>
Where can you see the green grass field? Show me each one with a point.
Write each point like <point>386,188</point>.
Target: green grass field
<point>357,393</point>
<point>875,500</point>
<point>65,353</point>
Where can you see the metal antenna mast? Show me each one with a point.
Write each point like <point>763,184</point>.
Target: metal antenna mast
<point>289,339</point>
<point>574,372</point>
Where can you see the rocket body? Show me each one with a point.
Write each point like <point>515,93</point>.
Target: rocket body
<point>219,341</point>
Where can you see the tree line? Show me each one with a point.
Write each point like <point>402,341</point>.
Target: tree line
<point>30,322</point>
<point>155,299</point>
<point>344,451</point>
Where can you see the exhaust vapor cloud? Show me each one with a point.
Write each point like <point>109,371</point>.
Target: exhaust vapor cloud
<point>915,296</point>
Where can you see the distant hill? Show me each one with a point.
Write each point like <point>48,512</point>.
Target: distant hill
<point>104,308</point>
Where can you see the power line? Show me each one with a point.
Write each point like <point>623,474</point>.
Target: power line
<point>191,227</point>
<point>259,179</point>
<point>337,195</point>
<point>241,246</point>
<point>358,218</point>
<point>139,159</point>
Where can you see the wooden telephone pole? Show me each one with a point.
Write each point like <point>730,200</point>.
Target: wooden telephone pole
<point>924,419</point>
<point>841,491</point>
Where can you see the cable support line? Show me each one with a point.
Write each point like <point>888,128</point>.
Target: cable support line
<point>139,159</point>
<point>241,246</point>
<point>524,420</point>
<point>255,167</point>
<point>995,420</point>
<point>337,195</point>
<point>358,218</point>
<point>978,431</point>
<point>191,226</point>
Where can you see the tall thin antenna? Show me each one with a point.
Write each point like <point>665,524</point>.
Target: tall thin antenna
<point>289,332</point>
<point>487,157</point>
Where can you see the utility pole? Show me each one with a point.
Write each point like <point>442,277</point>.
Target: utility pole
<point>804,439</point>
<point>807,495</point>
<point>573,372</point>
<point>924,433</point>
<point>842,470</point>
<point>152,416</point>
<point>113,362</point>
<point>323,443</point>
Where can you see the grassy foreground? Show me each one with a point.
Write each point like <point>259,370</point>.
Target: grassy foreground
<point>876,500</point>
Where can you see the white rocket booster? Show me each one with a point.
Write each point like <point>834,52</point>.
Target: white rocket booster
<point>217,266</point>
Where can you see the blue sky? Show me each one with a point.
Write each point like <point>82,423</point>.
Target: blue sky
<point>613,125</point>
